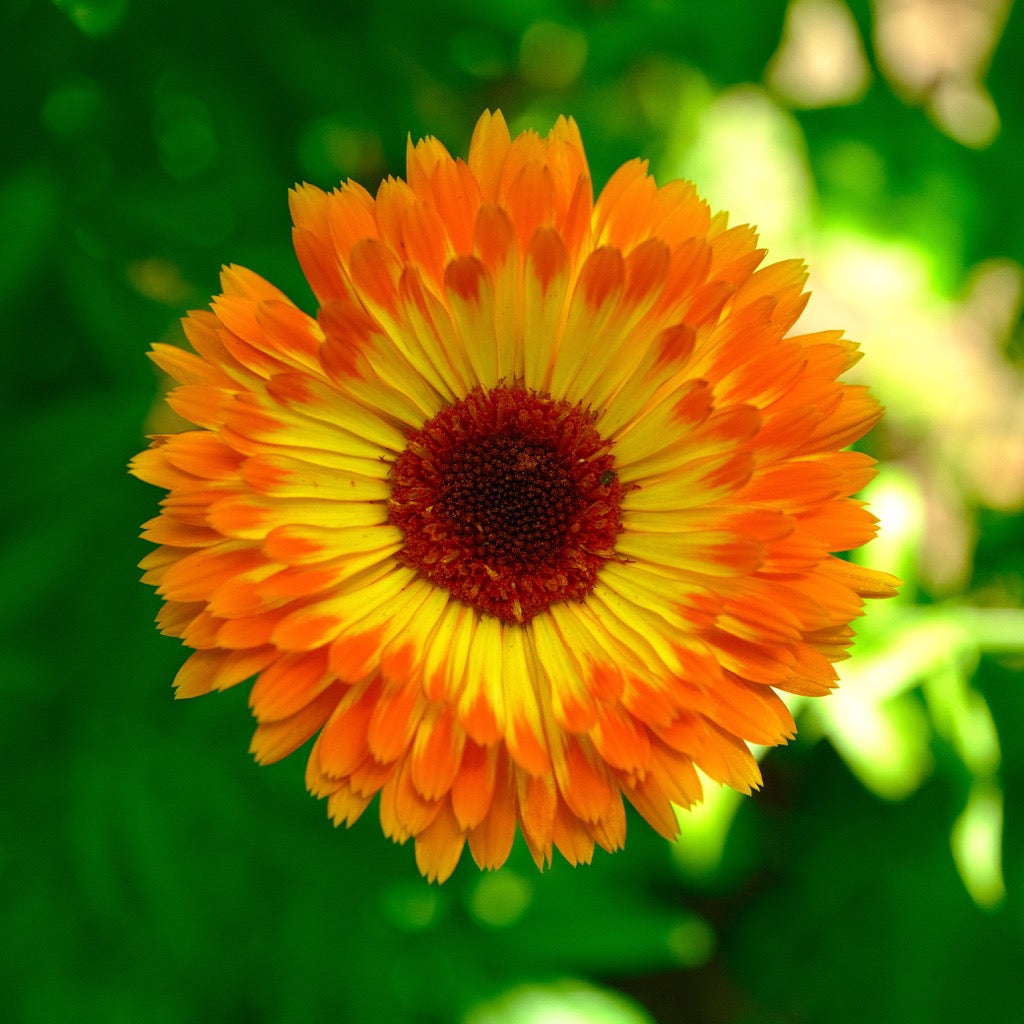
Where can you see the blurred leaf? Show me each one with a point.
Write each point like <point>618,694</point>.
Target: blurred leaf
<point>977,841</point>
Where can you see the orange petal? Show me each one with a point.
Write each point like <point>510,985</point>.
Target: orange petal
<point>274,740</point>
<point>473,788</point>
<point>436,755</point>
<point>583,781</point>
<point>487,152</point>
<point>193,577</point>
<point>571,836</point>
<point>393,723</point>
<point>537,798</point>
<point>206,671</point>
<point>491,841</point>
<point>289,684</point>
<point>342,745</point>
<point>404,812</point>
<point>728,760</point>
<point>439,846</point>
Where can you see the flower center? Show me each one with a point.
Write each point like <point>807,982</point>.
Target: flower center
<point>509,500</point>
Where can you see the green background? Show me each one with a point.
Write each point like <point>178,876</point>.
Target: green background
<point>152,873</point>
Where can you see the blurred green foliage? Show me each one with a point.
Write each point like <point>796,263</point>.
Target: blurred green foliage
<point>153,873</point>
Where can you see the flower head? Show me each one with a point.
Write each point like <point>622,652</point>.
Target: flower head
<point>535,515</point>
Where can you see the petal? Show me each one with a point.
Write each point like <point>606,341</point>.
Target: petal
<point>439,846</point>
<point>276,739</point>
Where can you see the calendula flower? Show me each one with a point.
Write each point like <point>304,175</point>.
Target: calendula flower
<point>534,516</point>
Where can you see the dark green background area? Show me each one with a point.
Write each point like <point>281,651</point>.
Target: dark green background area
<point>150,871</point>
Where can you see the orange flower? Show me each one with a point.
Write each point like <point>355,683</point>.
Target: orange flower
<point>534,515</point>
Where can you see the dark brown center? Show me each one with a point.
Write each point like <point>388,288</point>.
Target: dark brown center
<point>509,500</point>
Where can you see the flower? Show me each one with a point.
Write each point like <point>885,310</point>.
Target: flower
<point>533,517</point>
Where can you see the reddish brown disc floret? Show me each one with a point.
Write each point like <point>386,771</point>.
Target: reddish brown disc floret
<point>509,500</point>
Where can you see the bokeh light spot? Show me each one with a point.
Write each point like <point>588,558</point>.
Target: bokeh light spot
<point>185,134</point>
<point>821,60</point>
<point>94,17</point>
<point>692,942</point>
<point>552,56</point>
<point>410,907</point>
<point>499,900</point>
<point>561,1002</point>
<point>330,149</point>
<point>159,280</point>
<point>72,107</point>
<point>937,53</point>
